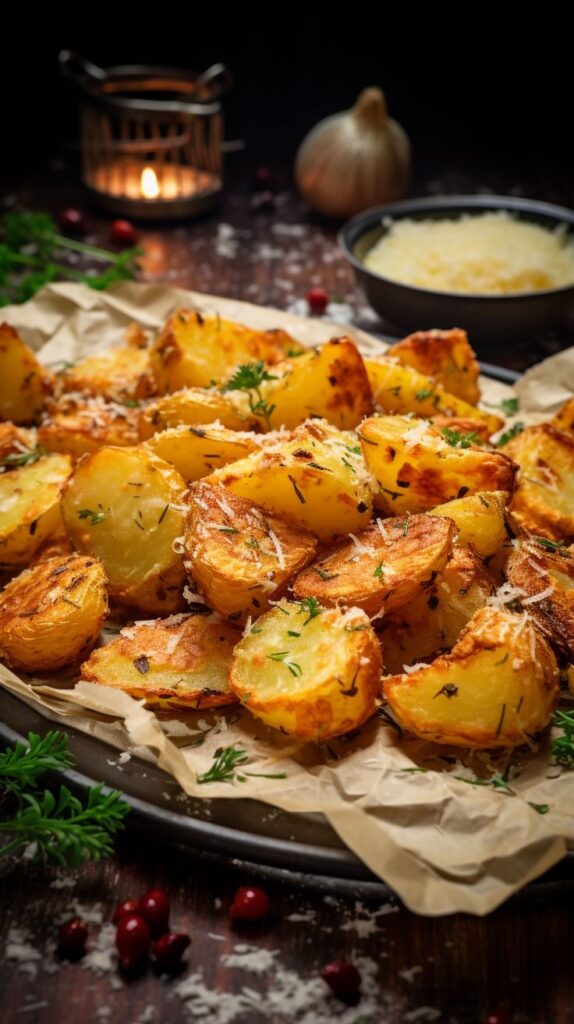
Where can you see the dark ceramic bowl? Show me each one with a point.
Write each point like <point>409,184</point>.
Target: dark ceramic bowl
<point>489,319</point>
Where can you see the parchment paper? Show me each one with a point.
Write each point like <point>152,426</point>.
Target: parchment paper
<point>443,844</point>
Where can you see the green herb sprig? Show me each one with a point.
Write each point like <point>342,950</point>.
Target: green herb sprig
<point>226,761</point>
<point>458,440</point>
<point>509,434</point>
<point>249,377</point>
<point>563,746</point>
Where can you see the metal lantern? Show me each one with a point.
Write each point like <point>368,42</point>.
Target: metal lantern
<point>151,137</point>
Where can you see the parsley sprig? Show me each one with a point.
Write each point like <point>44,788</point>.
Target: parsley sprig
<point>226,761</point>
<point>563,746</point>
<point>16,459</point>
<point>249,377</point>
<point>456,439</point>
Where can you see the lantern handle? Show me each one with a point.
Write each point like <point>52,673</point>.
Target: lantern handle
<point>218,76</point>
<point>79,70</point>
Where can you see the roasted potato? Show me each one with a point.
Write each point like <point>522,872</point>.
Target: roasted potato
<point>543,502</point>
<point>432,621</point>
<point>51,615</point>
<point>496,688</point>
<point>239,555</point>
<point>194,350</point>
<point>196,407</point>
<point>24,383</point>
<point>544,571</point>
<point>124,506</point>
<point>178,662</point>
<point>416,469</point>
<point>480,520</point>
<point>78,426</point>
<point>17,446</point>
<point>313,673</point>
<point>445,356</point>
<point>30,507</point>
<point>564,419</point>
<point>471,430</point>
<point>315,477</point>
<point>382,567</point>
<point>118,374</point>
<point>197,451</point>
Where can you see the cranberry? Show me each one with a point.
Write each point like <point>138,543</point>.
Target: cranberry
<point>124,908</point>
<point>263,178</point>
<point>154,908</point>
<point>123,232</point>
<point>249,904</point>
<point>132,940</point>
<point>72,221</point>
<point>72,938</point>
<point>169,949</point>
<point>317,300</point>
<point>342,978</point>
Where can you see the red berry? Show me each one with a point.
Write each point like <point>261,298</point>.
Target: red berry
<point>123,908</point>
<point>72,938</point>
<point>317,300</point>
<point>123,232</point>
<point>263,178</point>
<point>154,908</point>
<point>132,939</point>
<point>169,949</point>
<point>342,978</point>
<point>249,904</point>
<point>72,221</point>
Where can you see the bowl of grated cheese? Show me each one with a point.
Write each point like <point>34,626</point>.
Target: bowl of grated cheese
<point>500,267</point>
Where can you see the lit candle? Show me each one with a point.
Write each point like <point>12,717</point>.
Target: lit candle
<point>135,180</point>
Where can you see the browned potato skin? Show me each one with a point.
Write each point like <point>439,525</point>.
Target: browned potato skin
<point>412,554</point>
<point>78,427</point>
<point>140,662</point>
<point>13,440</point>
<point>533,569</point>
<point>564,419</point>
<point>238,571</point>
<point>464,426</point>
<point>196,407</point>
<point>116,374</point>
<point>446,356</point>
<point>24,383</point>
<point>51,614</point>
<point>543,502</point>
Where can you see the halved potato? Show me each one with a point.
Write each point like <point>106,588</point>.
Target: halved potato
<point>51,615</point>
<point>124,505</point>
<point>197,451</point>
<point>178,662</point>
<point>445,356</point>
<point>315,477</point>
<point>564,419</point>
<point>24,383</point>
<point>432,621</point>
<point>480,520</point>
<point>116,374</point>
<point>240,556</point>
<point>195,407</point>
<point>544,571</point>
<point>416,469</point>
<point>313,673</point>
<point>497,687</point>
<point>77,426</point>
<point>30,507</point>
<point>471,430</point>
<point>543,502</point>
<point>382,567</point>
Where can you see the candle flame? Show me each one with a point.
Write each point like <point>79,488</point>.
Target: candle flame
<point>149,184</point>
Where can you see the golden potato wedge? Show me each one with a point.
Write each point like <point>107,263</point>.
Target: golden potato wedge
<point>178,662</point>
<point>30,507</point>
<point>471,430</point>
<point>197,451</point>
<point>24,383</point>
<point>315,477</point>
<point>496,688</point>
<point>543,502</point>
<point>51,615</point>
<point>480,520</point>
<point>416,468</point>
<point>400,389</point>
<point>382,567</point>
<point>196,407</point>
<point>124,506</point>
<point>445,356</point>
<point>240,556</point>
<point>116,374</point>
<point>79,426</point>
<point>313,673</point>
<point>544,571</point>
<point>194,350</point>
<point>432,621</point>
<point>564,419</point>
<point>57,546</point>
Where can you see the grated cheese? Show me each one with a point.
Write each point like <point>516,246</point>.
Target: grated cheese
<point>277,545</point>
<point>540,596</point>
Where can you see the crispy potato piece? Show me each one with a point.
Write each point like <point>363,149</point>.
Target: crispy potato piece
<point>30,507</point>
<point>116,374</point>
<point>432,622</point>
<point>496,688</point>
<point>241,556</point>
<point>315,477</point>
<point>570,678</point>
<point>178,662</point>
<point>470,429</point>
<point>194,350</point>
<point>57,546</point>
<point>196,407</point>
<point>480,520</point>
<point>77,427</point>
<point>400,389</point>
<point>564,419</point>
<point>543,502</point>
<point>541,567</point>
<point>197,451</point>
<point>416,469</point>
<point>17,446</point>
<point>312,675</point>
<point>383,567</point>
<point>124,505</point>
<point>51,615</point>
<point>445,356</point>
<point>24,383</point>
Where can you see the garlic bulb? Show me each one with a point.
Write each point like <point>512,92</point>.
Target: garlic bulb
<point>355,159</point>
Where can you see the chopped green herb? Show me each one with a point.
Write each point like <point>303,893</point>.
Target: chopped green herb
<point>423,394</point>
<point>253,544</point>
<point>510,406</point>
<point>312,607</point>
<point>283,657</point>
<point>16,459</point>
<point>540,808</point>
<point>227,529</point>
<point>379,571</point>
<point>348,464</point>
<point>509,434</point>
<point>458,440</point>
<point>293,482</point>
<point>226,760</point>
<point>405,527</point>
<point>323,574</point>
<point>292,632</point>
<point>553,545</point>
<point>163,515</point>
<point>563,746</point>
<point>501,719</point>
<point>250,377</point>
<point>94,517</point>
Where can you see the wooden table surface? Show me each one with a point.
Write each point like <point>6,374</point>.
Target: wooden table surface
<point>454,969</point>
